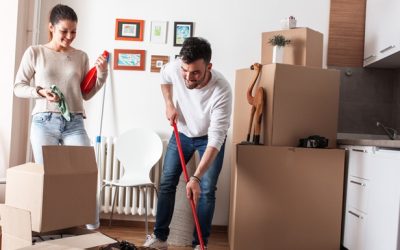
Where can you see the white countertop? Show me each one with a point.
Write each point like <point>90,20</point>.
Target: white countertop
<point>367,140</point>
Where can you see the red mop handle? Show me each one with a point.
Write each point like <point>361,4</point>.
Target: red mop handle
<point>183,164</point>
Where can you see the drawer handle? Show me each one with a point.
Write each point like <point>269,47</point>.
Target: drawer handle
<point>355,214</point>
<point>358,183</point>
<point>369,57</point>
<point>387,48</point>
<point>359,150</point>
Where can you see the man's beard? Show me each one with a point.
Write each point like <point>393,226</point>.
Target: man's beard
<point>193,85</point>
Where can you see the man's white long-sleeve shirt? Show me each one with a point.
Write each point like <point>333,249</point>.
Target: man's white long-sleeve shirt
<point>204,111</point>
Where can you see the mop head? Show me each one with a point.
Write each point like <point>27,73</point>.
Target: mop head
<point>125,245</point>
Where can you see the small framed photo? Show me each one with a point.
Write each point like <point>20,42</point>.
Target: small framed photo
<point>127,59</point>
<point>129,29</point>
<point>157,62</point>
<point>158,32</point>
<point>182,30</point>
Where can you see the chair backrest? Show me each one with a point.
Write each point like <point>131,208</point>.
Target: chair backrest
<point>138,150</point>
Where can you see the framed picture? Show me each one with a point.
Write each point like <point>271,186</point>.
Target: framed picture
<point>129,29</point>
<point>157,62</point>
<point>182,30</point>
<point>158,32</point>
<point>128,59</point>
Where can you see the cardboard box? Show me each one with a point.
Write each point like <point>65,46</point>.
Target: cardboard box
<point>17,234</point>
<point>305,48</point>
<point>300,101</point>
<point>59,194</point>
<point>291,198</point>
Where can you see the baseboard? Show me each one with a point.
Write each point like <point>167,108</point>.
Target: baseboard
<point>140,224</point>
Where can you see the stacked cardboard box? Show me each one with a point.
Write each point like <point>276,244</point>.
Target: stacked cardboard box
<point>305,47</point>
<point>58,195</point>
<point>302,99</point>
<point>288,198</point>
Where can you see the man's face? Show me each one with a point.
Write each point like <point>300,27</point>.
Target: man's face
<point>196,73</point>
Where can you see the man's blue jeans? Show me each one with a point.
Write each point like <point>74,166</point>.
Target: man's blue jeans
<point>169,180</point>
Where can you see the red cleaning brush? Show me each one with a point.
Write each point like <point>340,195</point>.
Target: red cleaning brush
<point>90,79</point>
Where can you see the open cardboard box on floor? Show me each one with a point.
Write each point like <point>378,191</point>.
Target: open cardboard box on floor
<point>59,194</point>
<point>17,234</point>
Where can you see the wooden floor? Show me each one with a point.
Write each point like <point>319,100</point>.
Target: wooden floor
<point>135,233</point>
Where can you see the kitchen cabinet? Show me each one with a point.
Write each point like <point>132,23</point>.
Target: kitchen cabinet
<point>372,199</point>
<point>382,36</point>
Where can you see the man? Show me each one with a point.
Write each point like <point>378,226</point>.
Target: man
<point>202,113</point>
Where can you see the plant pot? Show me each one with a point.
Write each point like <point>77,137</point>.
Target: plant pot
<point>277,54</point>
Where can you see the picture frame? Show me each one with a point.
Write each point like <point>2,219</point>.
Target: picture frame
<point>157,61</point>
<point>129,59</point>
<point>129,29</point>
<point>158,32</point>
<point>182,30</point>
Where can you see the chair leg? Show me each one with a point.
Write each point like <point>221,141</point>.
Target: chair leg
<point>145,211</point>
<point>155,188</point>
<point>100,198</point>
<point>113,204</point>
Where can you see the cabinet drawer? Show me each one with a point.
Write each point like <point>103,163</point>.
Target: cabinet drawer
<point>361,164</point>
<point>357,193</point>
<point>354,230</point>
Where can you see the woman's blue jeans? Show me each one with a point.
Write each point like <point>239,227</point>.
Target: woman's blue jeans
<point>169,180</point>
<point>50,128</point>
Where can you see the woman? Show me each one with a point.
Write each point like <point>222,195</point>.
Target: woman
<point>57,63</point>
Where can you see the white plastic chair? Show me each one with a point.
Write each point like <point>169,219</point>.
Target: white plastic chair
<point>138,150</point>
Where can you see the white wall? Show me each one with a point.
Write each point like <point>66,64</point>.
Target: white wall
<point>7,61</point>
<point>133,98</point>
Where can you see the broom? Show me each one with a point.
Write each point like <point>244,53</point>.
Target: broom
<point>183,164</point>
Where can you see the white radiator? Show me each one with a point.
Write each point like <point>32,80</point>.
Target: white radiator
<point>130,201</point>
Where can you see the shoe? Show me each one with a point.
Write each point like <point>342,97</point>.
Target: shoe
<point>153,242</point>
<point>93,226</point>
<point>198,247</point>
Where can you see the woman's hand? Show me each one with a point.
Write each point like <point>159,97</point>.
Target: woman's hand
<point>49,95</point>
<point>101,63</point>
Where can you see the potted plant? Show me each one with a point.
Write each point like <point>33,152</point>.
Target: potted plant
<point>278,41</point>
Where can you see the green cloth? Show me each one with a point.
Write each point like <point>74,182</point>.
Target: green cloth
<point>62,104</point>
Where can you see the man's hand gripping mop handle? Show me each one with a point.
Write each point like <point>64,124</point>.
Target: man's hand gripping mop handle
<point>183,164</point>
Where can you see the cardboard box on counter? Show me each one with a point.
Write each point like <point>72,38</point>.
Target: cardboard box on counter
<point>300,102</point>
<point>305,47</point>
<point>59,194</point>
<point>17,234</point>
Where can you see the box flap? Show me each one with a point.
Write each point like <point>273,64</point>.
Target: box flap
<point>16,227</point>
<point>85,241</point>
<point>24,189</point>
<point>69,159</point>
<point>28,167</point>
<point>48,246</point>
